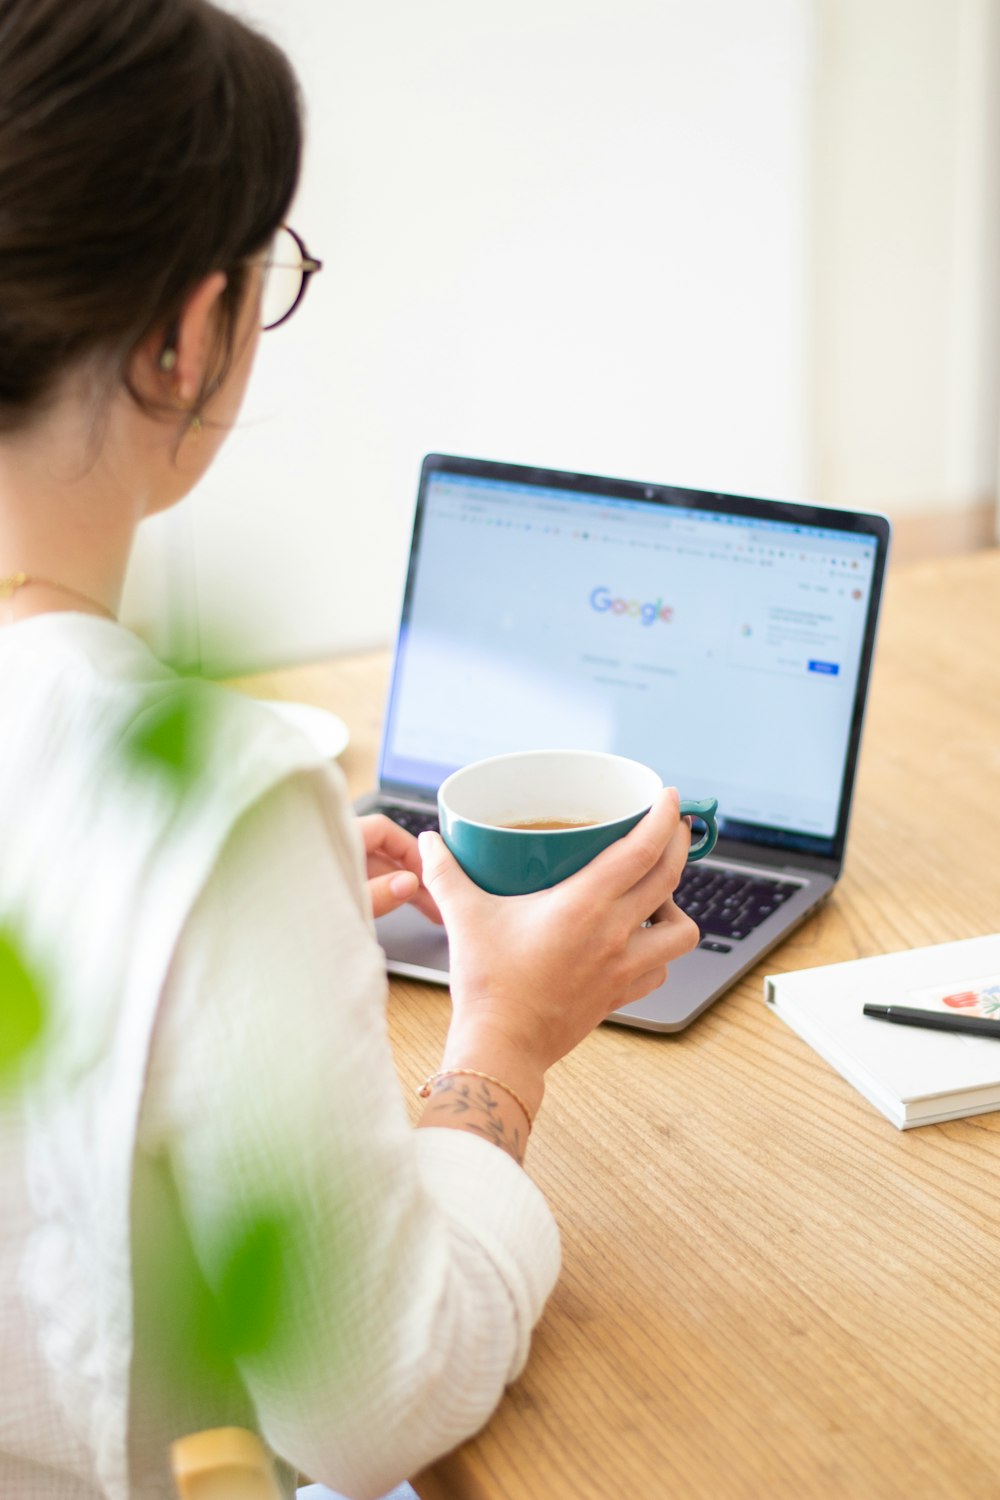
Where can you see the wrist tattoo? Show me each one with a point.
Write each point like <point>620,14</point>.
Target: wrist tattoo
<point>477,1104</point>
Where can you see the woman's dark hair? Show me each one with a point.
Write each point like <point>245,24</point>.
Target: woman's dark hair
<point>143,144</point>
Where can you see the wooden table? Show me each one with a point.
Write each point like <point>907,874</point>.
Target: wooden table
<point>767,1289</point>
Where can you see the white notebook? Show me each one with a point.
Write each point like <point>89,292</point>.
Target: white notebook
<point>914,1076</point>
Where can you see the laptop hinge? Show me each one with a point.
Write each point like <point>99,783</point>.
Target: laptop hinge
<point>777,859</point>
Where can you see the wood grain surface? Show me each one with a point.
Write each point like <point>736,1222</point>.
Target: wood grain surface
<point>767,1289</point>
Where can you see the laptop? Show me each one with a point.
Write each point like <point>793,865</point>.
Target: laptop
<point>725,641</point>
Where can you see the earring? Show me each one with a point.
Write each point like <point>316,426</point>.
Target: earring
<point>195,426</point>
<point>168,359</point>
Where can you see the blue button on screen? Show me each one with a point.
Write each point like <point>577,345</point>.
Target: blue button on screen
<point>829,668</point>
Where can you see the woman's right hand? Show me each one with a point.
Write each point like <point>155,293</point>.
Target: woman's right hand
<point>531,976</point>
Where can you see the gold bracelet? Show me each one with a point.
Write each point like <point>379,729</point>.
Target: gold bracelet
<point>426,1088</point>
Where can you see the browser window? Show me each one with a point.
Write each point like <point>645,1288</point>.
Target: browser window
<point>720,649</point>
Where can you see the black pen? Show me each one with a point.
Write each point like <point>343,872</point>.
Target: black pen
<point>906,1015</point>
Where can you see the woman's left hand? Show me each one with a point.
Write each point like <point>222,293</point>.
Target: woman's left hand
<point>394,868</point>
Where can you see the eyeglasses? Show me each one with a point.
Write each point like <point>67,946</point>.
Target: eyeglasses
<point>287,270</point>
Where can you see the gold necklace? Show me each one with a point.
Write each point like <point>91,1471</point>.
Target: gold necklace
<point>14,581</point>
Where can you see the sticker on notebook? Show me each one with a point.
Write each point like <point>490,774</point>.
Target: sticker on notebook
<point>967,997</point>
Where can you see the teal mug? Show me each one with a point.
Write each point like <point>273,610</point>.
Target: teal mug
<point>523,822</point>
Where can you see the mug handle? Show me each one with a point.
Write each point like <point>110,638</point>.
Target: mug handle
<point>706,810</point>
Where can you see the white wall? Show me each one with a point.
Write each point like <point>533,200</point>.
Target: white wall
<point>907,253</point>
<point>565,232</point>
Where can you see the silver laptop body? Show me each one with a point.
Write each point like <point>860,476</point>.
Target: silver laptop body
<point>725,641</point>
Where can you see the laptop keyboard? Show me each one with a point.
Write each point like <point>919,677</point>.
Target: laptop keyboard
<point>414,820</point>
<point>726,904</point>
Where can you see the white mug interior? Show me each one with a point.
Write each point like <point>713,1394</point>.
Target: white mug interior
<point>572,786</point>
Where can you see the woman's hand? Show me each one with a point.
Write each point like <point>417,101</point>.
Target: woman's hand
<point>531,976</point>
<point>394,870</point>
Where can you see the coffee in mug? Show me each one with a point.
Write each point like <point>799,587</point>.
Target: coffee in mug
<point>547,825</point>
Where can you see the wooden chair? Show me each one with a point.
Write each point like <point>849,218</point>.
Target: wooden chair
<point>223,1463</point>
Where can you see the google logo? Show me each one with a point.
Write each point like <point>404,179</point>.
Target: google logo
<point>605,603</point>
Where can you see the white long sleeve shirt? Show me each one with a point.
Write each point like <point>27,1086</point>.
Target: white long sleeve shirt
<point>216,1058</point>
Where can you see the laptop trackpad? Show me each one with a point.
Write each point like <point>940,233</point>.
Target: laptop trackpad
<point>411,942</point>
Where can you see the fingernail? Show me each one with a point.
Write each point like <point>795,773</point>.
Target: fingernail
<point>672,790</point>
<point>403,884</point>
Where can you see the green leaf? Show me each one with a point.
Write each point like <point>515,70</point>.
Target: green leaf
<point>22,1011</point>
<point>249,1297</point>
<point>169,736</point>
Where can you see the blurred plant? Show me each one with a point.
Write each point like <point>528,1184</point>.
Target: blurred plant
<point>23,1011</point>
<point>169,737</point>
<point>209,1314</point>
<point>236,1305</point>
<point>248,1301</point>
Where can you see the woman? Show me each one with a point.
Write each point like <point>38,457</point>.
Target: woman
<point>215,1209</point>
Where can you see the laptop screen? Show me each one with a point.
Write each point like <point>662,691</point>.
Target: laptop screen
<point>724,642</point>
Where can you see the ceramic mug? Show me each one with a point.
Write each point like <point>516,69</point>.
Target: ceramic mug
<point>523,822</point>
